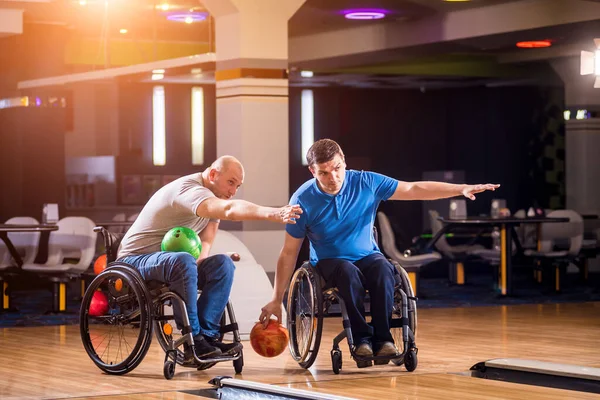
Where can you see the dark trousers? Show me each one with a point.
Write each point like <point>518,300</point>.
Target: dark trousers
<point>373,273</point>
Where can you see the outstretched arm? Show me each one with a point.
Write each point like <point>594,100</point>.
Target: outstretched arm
<point>430,190</point>
<point>285,268</point>
<point>241,210</point>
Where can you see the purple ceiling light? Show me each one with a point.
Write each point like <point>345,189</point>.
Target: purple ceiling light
<point>365,13</point>
<point>187,17</point>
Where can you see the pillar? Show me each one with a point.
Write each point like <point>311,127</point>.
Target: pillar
<point>252,108</point>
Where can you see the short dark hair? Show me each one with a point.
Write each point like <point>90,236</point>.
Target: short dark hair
<point>323,151</point>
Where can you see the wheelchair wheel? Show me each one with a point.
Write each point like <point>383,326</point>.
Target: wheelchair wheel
<point>115,320</point>
<point>305,316</point>
<point>406,286</point>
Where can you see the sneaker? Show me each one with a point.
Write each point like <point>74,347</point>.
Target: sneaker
<point>226,348</point>
<point>202,348</point>
<point>387,349</point>
<point>364,349</point>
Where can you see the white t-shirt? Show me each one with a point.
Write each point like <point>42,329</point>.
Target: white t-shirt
<point>172,205</point>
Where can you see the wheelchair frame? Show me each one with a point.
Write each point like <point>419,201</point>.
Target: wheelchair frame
<point>405,312</point>
<point>152,298</point>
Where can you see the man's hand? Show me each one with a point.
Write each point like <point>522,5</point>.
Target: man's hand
<point>287,214</point>
<point>272,308</point>
<point>470,190</point>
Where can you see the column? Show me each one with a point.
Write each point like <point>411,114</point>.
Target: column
<point>252,108</point>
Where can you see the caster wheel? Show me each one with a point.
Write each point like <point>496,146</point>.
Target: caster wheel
<point>169,369</point>
<point>238,364</point>
<point>336,361</point>
<point>411,361</point>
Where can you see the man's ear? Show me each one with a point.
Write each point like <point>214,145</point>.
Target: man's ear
<point>310,168</point>
<point>212,174</point>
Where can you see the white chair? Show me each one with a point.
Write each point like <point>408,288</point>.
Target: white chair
<point>26,243</point>
<point>75,235</point>
<point>553,234</point>
<point>411,264</point>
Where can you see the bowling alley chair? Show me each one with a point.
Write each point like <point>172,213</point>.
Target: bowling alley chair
<point>26,244</point>
<point>412,264</point>
<point>75,235</point>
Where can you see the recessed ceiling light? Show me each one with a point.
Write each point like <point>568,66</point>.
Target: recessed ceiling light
<point>82,2</point>
<point>158,71</point>
<point>188,18</point>
<point>164,7</point>
<point>365,13</point>
<point>534,44</point>
<point>157,77</point>
<point>123,31</point>
<point>306,74</point>
<point>196,71</point>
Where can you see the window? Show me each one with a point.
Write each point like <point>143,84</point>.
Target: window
<point>307,122</point>
<point>197,126</point>
<point>159,151</point>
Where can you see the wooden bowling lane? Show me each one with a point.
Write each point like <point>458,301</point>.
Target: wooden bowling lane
<point>439,387</point>
<point>50,362</point>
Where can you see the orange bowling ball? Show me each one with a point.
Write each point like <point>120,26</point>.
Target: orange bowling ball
<point>269,342</point>
<point>100,264</point>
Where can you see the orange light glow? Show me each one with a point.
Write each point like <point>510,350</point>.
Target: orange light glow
<point>123,31</point>
<point>534,44</point>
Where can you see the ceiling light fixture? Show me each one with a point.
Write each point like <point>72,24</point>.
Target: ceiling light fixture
<point>365,13</point>
<point>306,74</point>
<point>158,71</point>
<point>123,31</point>
<point>534,44</point>
<point>157,77</point>
<point>188,18</point>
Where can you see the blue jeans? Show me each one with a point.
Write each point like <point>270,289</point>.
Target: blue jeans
<point>214,276</point>
<point>373,273</point>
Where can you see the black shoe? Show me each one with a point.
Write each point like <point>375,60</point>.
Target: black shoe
<point>204,349</point>
<point>226,348</point>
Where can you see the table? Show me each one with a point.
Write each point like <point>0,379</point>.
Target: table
<point>506,225</point>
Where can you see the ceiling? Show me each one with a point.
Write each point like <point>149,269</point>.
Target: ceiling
<point>485,60</point>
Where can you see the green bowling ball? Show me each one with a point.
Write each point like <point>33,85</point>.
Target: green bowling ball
<point>183,239</point>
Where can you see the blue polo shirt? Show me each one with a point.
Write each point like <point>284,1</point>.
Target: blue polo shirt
<point>341,225</point>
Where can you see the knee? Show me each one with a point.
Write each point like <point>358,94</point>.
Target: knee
<point>223,264</point>
<point>348,273</point>
<point>185,265</point>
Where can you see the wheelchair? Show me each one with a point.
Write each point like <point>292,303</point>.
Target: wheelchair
<point>116,330</point>
<point>309,301</point>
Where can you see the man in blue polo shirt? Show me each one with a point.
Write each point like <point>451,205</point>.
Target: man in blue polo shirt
<point>339,211</point>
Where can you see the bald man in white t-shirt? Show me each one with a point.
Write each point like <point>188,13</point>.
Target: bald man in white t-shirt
<point>197,201</point>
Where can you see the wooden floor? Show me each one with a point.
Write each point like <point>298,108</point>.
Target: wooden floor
<point>50,362</point>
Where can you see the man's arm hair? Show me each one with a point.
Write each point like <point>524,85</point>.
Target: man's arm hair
<point>237,210</point>
<point>426,190</point>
